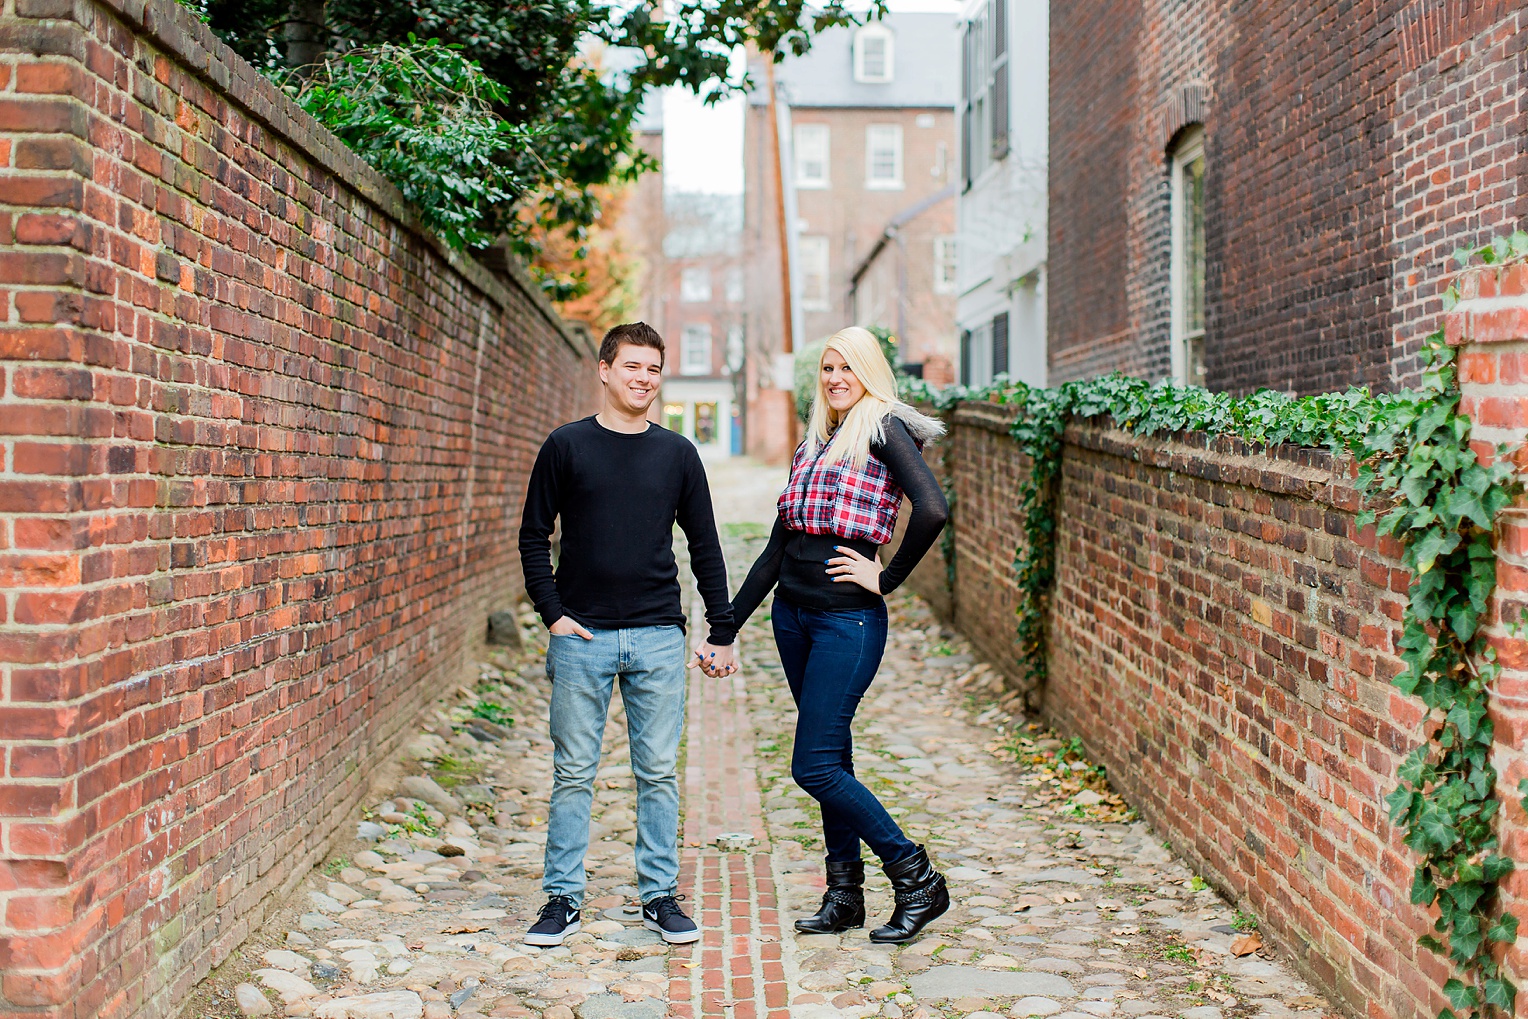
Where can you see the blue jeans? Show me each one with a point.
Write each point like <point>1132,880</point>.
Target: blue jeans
<point>649,661</point>
<point>830,659</point>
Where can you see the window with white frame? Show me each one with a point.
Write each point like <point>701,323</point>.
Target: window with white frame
<point>735,285</point>
<point>811,144</point>
<point>813,255</point>
<point>944,265</point>
<point>1187,266</point>
<point>984,89</point>
<point>695,349</point>
<point>976,356</point>
<point>695,284</point>
<point>873,54</point>
<point>883,156</point>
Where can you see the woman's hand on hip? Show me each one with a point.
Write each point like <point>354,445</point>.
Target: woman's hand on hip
<point>853,568</point>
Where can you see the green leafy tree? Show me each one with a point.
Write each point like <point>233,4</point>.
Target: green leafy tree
<point>535,52</point>
<point>420,113</point>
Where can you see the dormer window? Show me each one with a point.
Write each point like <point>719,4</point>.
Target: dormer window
<point>873,55</point>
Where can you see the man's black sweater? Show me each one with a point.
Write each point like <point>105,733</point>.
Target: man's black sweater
<point>619,495</point>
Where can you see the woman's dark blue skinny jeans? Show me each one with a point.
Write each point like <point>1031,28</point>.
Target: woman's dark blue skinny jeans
<point>830,659</point>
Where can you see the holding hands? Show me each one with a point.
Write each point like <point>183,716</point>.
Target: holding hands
<point>715,661</point>
<point>856,569</point>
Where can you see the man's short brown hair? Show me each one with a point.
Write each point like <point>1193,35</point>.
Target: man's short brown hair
<point>637,334</point>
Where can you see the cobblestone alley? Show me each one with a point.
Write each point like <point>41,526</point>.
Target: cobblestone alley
<point>1065,905</point>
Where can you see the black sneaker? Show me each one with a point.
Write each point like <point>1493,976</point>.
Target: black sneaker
<point>559,918</point>
<point>664,916</point>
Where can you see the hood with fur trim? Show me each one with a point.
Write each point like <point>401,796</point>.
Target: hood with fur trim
<point>920,426</point>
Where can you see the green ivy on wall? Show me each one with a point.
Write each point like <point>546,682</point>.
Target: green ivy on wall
<point>1427,490</point>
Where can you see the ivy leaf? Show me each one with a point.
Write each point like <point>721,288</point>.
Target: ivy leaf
<point>1424,891</point>
<point>1465,504</point>
<point>1465,893</point>
<point>1417,489</point>
<point>1467,717</point>
<point>1504,930</point>
<point>1459,994</point>
<point>1434,830</point>
<point>1466,939</point>
<point>1433,544</point>
<point>1500,992</point>
<point>1403,803</point>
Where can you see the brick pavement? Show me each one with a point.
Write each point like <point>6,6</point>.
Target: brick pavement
<point>736,969</point>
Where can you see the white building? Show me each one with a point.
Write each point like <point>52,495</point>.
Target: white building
<point>1000,208</point>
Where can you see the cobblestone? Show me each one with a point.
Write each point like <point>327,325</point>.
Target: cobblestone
<point>1054,914</point>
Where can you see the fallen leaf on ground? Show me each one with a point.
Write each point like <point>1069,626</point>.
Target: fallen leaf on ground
<point>1246,944</point>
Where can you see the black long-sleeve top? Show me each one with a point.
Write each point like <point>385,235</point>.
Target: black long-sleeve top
<point>797,561</point>
<point>619,495</point>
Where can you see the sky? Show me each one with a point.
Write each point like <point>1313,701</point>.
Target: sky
<point>703,145</point>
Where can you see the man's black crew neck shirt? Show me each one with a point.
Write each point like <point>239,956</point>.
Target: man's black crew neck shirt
<point>619,495</point>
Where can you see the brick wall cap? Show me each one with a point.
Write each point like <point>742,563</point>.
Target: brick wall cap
<point>995,417</point>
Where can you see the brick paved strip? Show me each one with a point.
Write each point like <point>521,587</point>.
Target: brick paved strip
<point>721,783</point>
<point>735,971</point>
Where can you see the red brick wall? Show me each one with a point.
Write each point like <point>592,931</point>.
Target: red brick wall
<point>1490,328</point>
<point>1221,638</point>
<point>1343,164</point>
<point>263,446</point>
<point>1461,151</point>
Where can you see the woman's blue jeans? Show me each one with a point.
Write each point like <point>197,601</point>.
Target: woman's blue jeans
<point>830,659</point>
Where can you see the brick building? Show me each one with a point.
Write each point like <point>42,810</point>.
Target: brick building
<point>689,286</point>
<point>698,307</point>
<point>1265,194</point>
<point>867,148</point>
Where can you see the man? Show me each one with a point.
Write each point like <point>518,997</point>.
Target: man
<point>619,483</point>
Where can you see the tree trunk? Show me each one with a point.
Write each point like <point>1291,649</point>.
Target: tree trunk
<point>304,34</point>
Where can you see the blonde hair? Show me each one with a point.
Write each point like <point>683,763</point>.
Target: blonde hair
<point>851,435</point>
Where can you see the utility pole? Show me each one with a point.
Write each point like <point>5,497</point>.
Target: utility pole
<point>787,338</point>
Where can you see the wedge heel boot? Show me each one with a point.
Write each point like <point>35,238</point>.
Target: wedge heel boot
<point>921,897</point>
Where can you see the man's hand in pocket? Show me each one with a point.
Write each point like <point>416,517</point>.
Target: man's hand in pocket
<point>567,626</point>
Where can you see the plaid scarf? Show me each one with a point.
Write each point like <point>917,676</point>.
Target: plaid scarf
<point>838,498</point>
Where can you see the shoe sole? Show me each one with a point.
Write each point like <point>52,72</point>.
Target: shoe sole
<point>670,936</point>
<point>553,940</point>
<point>829,930</point>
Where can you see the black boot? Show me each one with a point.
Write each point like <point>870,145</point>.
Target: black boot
<point>843,904</point>
<point>921,897</point>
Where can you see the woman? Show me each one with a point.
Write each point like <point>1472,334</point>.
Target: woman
<point>861,453</point>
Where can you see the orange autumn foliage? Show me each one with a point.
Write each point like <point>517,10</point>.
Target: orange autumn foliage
<point>605,271</point>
